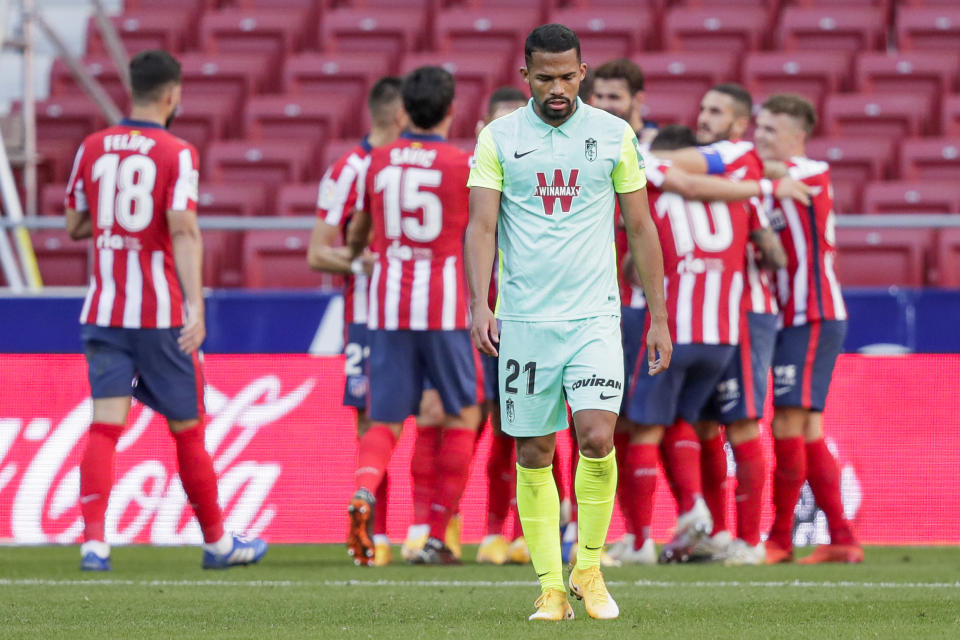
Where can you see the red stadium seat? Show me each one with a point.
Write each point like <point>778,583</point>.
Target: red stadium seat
<point>607,32</point>
<point>812,74</point>
<point>336,73</point>
<point>268,162</point>
<point>714,29</point>
<point>934,28</point>
<point>298,199</point>
<point>484,29</point>
<point>926,159</point>
<point>51,198</point>
<point>689,73</point>
<point>67,121</point>
<point>920,73</point>
<point>63,262</point>
<point>310,118</point>
<point>671,108</point>
<point>384,30</point>
<point>270,33</point>
<point>232,77</point>
<point>203,119</point>
<point>950,116</point>
<point>912,197</point>
<point>894,116</point>
<point>237,199</point>
<point>476,77</point>
<point>222,253</point>
<point>853,163</point>
<point>101,68</point>
<point>832,28</point>
<point>948,257</point>
<point>883,257</point>
<point>56,159</point>
<point>169,28</point>
<point>278,259</point>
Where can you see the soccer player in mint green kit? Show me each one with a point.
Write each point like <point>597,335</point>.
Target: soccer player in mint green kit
<point>544,184</point>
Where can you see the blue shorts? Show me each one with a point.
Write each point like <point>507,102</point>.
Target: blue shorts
<point>402,361</point>
<point>147,364</point>
<point>739,396</point>
<point>491,389</point>
<point>803,363</point>
<point>357,351</point>
<point>683,389</point>
<point>631,325</point>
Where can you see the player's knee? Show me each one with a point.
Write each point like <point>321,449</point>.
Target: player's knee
<point>535,453</point>
<point>647,434</point>
<point>177,426</point>
<point>813,426</point>
<point>743,431</point>
<point>788,422</point>
<point>707,430</point>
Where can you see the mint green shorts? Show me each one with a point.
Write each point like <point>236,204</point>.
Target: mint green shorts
<point>544,365</point>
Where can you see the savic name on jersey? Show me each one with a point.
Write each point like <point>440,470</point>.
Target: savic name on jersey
<point>557,259</point>
<point>128,177</point>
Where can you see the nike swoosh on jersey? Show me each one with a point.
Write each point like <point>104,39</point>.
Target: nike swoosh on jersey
<point>603,397</point>
<point>520,155</point>
<point>728,406</point>
<point>779,391</point>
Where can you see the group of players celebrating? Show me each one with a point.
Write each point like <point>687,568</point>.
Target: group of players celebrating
<point>529,283</point>
<point>746,231</point>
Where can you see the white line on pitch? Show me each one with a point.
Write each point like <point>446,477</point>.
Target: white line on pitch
<point>805,584</point>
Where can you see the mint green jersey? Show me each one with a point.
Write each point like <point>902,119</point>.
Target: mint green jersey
<point>557,206</point>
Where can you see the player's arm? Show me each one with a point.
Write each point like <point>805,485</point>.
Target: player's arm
<point>711,188</point>
<point>79,224</point>
<point>772,254</point>
<point>694,159</point>
<point>322,255</point>
<point>486,183</point>
<point>629,182</point>
<point>188,248</point>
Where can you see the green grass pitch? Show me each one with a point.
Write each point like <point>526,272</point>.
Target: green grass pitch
<point>313,592</point>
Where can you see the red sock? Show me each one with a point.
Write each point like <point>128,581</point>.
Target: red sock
<point>96,477</point>
<point>824,478</point>
<point>681,455</point>
<point>380,508</point>
<point>199,481</point>
<point>788,479</point>
<point>423,471</point>
<point>621,441</point>
<point>713,472</point>
<point>373,456</point>
<point>501,475</point>
<point>751,474</point>
<point>453,469</point>
<point>642,460</point>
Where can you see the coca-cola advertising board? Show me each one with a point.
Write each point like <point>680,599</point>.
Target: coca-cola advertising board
<point>285,448</point>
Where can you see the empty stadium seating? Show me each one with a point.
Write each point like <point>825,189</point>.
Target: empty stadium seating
<point>335,73</point>
<point>62,261</point>
<point>948,257</point>
<point>929,27</point>
<point>950,116</point>
<point>51,198</point>
<point>484,29</point>
<point>812,74</point>
<point>832,28</point>
<point>853,163</point>
<point>883,257</point>
<point>714,28</point>
<point>934,159</point>
<point>67,121</point>
<point>607,32</point>
<point>920,73</point>
<point>313,118</point>
<point>235,199</point>
<point>891,115</point>
<point>297,199</point>
<point>101,68</point>
<point>912,197</point>
<point>685,72</point>
<point>378,29</point>
<point>267,161</point>
<point>167,28</point>
<point>277,259</point>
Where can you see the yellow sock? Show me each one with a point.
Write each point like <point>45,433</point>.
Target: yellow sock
<point>538,504</point>
<point>596,487</point>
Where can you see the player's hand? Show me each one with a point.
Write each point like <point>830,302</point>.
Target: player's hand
<point>788,188</point>
<point>368,259</point>
<point>659,348</point>
<point>193,333</point>
<point>483,330</point>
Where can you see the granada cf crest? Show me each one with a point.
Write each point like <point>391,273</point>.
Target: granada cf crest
<point>511,412</point>
<point>590,149</point>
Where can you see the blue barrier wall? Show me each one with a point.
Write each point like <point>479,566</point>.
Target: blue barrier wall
<point>922,320</point>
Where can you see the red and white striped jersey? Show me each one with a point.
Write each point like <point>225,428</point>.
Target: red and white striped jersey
<point>128,176</point>
<point>808,288</point>
<point>703,247</point>
<point>631,295</point>
<point>336,202</point>
<point>741,162</point>
<point>416,194</point>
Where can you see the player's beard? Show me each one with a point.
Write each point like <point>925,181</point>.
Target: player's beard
<point>708,137</point>
<point>172,117</point>
<point>556,116</point>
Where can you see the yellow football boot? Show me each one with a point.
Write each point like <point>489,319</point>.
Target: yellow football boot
<point>588,585</point>
<point>413,544</point>
<point>493,550</point>
<point>382,554</point>
<point>518,553</point>
<point>451,537</point>
<point>552,605</point>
